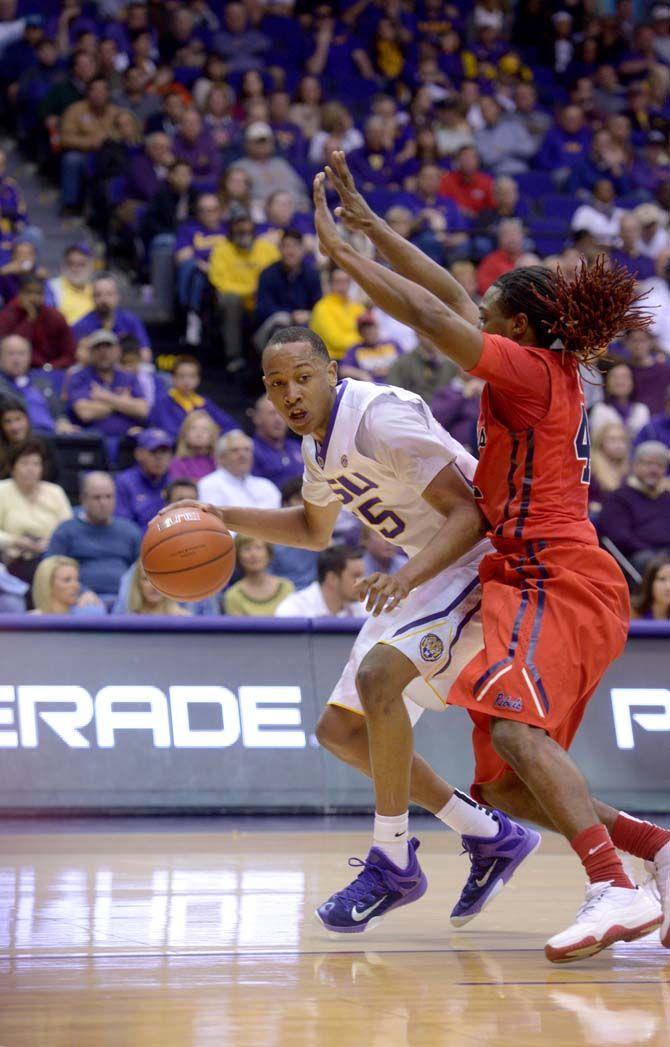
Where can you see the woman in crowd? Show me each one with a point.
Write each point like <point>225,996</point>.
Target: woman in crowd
<point>14,429</point>
<point>652,600</point>
<point>57,589</point>
<point>618,404</point>
<point>306,110</point>
<point>235,188</point>
<point>218,118</point>
<point>30,509</point>
<point>258,592</point>
<point>194,457</point>
<point>610,462</point>
<point>144,598</point>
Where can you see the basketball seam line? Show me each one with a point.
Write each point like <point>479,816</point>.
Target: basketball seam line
<point>167,537</point>
<point>191,567</point>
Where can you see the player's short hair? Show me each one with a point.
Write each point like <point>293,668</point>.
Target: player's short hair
<point>335,559</point>
<point>300,334</point>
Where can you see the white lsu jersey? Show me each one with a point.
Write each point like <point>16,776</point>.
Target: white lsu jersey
<point>381,451</point>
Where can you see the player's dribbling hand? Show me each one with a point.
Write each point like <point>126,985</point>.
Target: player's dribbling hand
<point>354,211</point>
<point>382,592</point>
<point>190,503</point>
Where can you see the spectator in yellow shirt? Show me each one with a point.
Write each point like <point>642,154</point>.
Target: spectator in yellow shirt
<point>235,265</point>
<point>72,292</point>
<point>335,316</point>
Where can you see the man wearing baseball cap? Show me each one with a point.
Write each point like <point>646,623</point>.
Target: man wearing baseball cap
<point>104,398</point>
<point>139,490</point>
<point>268,172</point>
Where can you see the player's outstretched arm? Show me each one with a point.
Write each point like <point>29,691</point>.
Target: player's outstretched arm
<point>305,527</point>
<point>407,260</point>
<point>402,299</point>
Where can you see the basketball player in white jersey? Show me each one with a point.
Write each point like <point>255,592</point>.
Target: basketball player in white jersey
<point>377,451</point>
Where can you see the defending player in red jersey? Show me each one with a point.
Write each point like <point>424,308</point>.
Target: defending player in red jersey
<point>555,606</point>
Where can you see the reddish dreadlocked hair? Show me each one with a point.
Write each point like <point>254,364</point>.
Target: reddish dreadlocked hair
<point>585,313</point>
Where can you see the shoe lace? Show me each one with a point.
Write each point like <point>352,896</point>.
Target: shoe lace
<point>594,896</point>
<point>367,886</point>
<point>479,864</point>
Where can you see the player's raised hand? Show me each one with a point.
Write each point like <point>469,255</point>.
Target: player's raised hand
<point>354,210</point>
<point>383,592</point>
<point>330,241</point>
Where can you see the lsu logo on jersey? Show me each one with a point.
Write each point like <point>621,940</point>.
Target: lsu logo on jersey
<point>431,647</point>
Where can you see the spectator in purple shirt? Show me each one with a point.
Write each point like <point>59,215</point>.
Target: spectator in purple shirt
<point>651,166</point>
<point>637,516</point>
<point>277,456</point>
<point>13,211</point>
<point>456,407</point>
<point>374,165</point>
<point>175,403</point>
<point>107,316</point>
<point>15,381</point>
<point>565,144</point>
<point>148,170</point>
<point>196,145</point>
<point>290,139</point>
<point>371,359</point>
<point>658,426</point>
<point>104,398</point>
<point>650,367</point>
<point>627,254</point>
<point>139,490</point>
<point>196,448</point>
<point>439,214</point>
<point>195,240</point>
<point>239,44</point>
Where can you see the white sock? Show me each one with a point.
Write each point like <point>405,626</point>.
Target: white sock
<point>390,836</point>
<point>467,817</point>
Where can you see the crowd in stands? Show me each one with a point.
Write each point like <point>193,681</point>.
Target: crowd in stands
<point>183,138</point>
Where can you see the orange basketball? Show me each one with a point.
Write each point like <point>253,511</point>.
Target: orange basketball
<point>188,554</point>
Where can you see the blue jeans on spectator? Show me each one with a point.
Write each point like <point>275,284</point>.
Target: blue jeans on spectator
<point>191,283</point>
<point>161,268</point>
<point>73,170</point>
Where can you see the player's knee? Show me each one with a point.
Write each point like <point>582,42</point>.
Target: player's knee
<point>375,683</point>
<point>338,730</point>
<point>512,741</point>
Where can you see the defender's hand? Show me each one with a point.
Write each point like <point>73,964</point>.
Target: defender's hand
<point>354,210</point>
<point>329,237</point>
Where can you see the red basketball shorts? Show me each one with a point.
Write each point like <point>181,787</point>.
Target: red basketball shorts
<point>555,616</point>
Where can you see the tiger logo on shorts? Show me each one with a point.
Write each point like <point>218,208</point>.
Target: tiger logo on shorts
<point>431,647</point>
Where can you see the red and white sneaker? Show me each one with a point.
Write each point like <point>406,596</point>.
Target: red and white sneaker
<point>609,914</point>
<point>659,871</point>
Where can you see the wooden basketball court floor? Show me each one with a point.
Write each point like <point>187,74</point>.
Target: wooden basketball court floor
<point>188,938</point>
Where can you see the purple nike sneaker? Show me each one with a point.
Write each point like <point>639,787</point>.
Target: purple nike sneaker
<point>493,862</point>
<point>378,888</point>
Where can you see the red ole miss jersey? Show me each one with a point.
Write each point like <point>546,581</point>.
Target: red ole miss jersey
<point>532,480</point>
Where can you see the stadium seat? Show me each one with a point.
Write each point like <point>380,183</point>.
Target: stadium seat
<point>76,454</point>
<point>557,206</point>
<point>535,183</point>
